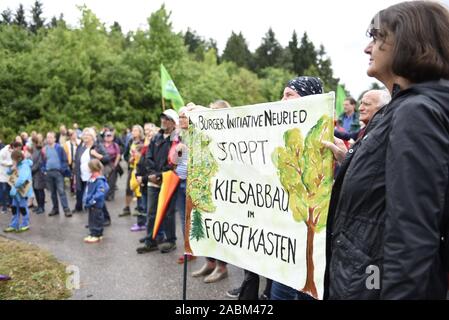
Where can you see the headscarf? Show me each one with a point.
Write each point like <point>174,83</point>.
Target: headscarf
<point>305,86</point>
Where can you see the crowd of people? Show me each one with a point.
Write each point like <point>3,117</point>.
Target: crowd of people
<point>390,196</point>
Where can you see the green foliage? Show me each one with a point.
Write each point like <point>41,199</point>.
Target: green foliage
<point>19,17</point>
<point>197,226</point>
<point>52,74</point>
<point>237,51</point>
<point>273,82</point>
<point>37,20</point>
<point>269,53</point>
<point>305,171</point>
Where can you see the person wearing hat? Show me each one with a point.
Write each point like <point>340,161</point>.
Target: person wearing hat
<point>156,162</point>
<point>249,290</point>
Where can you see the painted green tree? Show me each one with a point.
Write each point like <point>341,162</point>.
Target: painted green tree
<point>202,167</point>
<point>305,171</point>
<point>197,226</point>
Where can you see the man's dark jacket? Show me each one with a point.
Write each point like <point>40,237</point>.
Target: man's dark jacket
<point>156,158</point>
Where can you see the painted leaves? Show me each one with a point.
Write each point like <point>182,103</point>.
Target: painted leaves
<point>305,171</point>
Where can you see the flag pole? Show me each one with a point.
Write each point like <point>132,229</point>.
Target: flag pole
<point>184,283</point>
<point>163,104</point>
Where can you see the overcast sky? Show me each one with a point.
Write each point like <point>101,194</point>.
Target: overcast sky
<point>339,25</point>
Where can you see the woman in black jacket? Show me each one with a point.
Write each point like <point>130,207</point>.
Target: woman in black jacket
<point>389,204</point>
<point>87,150</point>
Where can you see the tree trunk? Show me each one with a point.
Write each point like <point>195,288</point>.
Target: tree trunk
<point>310,287</point>
<point>189,207</point>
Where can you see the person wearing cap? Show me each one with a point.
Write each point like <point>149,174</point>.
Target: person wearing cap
<point>156,162</point>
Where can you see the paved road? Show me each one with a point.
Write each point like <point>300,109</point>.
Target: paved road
<point>113,269</point>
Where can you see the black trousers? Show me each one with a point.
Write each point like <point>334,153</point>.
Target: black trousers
<point>40,198</point>
<point>250,287</point>
<point>96,221</point>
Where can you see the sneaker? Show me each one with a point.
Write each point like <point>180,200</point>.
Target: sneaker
<point>40,211</point>
<point>76,211</point>
<point>137,228</point>
<point>53,213</point>
<point>189,258</point>
<point>23,229</point>
<point>91,239</point>
<point>107,223</point>
<point>34,209</point>
<point>234,293</point>
<point>67,212</point>
<point>10,229</point>
<point>4,277</point>
<point>167,247</point>
<point>126,212</point>
<point>146,248</point>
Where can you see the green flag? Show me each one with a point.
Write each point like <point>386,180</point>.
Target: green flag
<point>169,91</point>
<point>339,100</point>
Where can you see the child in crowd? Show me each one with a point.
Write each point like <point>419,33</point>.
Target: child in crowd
<point>96,191</point>
<point>20,181</point>
<point>136,187</point>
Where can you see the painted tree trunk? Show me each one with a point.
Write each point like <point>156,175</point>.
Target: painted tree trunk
<point>310,287</point>
<point>189,207</point>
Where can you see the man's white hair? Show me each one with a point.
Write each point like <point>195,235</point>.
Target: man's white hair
<point>384,97</point>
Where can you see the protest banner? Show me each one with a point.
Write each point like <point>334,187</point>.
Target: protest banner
<point>258,188</point>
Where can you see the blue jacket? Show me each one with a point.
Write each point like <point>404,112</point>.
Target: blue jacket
<point>24,175</point>
<point>96,191</point>
<point>65,170</point>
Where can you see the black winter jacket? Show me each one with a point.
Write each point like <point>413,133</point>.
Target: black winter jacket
<point>388,203</point>
<point>156,158</point>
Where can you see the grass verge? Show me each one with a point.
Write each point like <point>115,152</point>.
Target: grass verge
<point>35,273</point>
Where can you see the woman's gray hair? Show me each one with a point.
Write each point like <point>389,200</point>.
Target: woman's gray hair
<point>139,127</point>
<point>91,132</point>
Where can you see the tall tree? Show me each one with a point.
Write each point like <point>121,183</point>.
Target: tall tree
<point>306,55</point>
<point>37,21</point>
<point>269,53</point>
<point>237,51</point>
<point>325,71</point>
<point>192,40</point>
<point>294,53</point>
<point>19,18</point>
<point>6,16</point>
